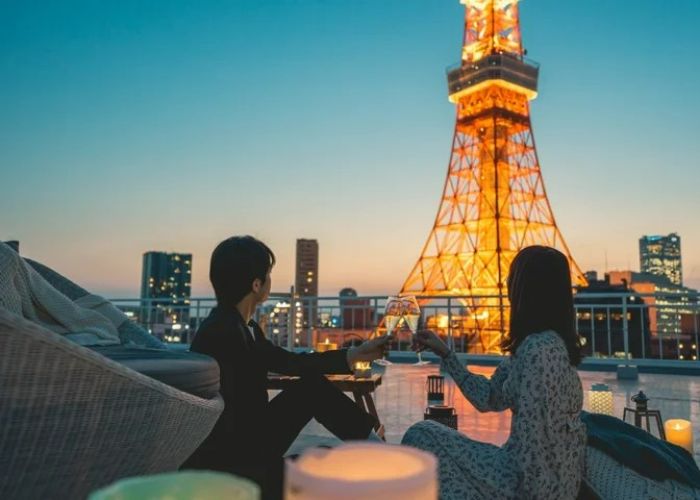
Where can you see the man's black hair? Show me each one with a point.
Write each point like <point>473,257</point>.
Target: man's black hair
<point>235,263</point>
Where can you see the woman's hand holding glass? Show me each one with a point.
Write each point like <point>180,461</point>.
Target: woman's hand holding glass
<point>427,339</point>
<point>370,350</point>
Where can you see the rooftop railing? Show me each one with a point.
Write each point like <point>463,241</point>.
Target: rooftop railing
<point>661,326</point>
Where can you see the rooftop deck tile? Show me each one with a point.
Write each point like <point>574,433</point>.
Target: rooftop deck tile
<point>401,400</point>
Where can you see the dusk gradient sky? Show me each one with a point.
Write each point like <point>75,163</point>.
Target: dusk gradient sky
<point>136,125</point>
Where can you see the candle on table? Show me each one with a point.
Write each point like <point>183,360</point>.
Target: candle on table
<point>326,346</point>
<point>362,369</point>
<point>679,432</point>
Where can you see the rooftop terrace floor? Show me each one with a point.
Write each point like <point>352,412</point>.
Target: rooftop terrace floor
<point>401,400</point>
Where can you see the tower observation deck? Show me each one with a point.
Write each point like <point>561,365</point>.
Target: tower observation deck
<point>505,70</point>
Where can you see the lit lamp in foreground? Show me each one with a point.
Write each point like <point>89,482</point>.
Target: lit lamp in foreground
<point>600,399</point>
<point>362,369</point>
<point>326,346</point>
<point>362,470</point>
<point>679,432</point>
<point>180,486</point>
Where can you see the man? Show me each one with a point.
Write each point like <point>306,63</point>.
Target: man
<point>252,434</point>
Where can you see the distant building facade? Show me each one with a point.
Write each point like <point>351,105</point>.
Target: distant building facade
<point>166,284</point>
<point>306,280</point>
<point>276,319</point>
<point>668,302</point>
<point>661,256</point>
<point>356,313</point>
<point>673,311</point>
<point>601,320</point>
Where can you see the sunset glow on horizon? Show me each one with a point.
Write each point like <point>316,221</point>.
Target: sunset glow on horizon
<point>128,128</point>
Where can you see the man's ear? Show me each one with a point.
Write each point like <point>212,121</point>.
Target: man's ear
<point>257,285</point>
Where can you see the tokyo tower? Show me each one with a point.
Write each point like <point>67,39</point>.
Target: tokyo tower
<point>494,202</point>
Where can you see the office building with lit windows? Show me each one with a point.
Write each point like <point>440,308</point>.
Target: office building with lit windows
<point>306,279</point>
<point>661,256</point>
<point>166,283</point>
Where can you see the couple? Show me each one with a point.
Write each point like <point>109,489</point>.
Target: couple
<point>543,458</point>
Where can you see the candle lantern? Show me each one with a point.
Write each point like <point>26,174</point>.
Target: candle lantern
<point>368,471</point>
<point>326,346</point>
<point>446,415</point>
<point>435,386</point>
<point>362,369</point>
<point>600,399</point>
<point>642,411</point>
<point>679,432</point>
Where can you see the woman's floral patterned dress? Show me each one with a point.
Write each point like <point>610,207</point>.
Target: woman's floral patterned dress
<point>544,455</point>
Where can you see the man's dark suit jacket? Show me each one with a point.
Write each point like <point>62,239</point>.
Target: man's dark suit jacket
<point>235,442</point>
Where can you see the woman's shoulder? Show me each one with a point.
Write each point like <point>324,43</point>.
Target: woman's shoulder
<point>548,340</point>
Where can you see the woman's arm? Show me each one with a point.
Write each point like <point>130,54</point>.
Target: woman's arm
<point>486,394</point>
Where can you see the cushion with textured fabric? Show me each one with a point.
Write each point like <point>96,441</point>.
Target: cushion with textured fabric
<point>190,372</point>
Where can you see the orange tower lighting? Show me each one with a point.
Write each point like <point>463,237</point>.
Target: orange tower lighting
<point>494,202</point>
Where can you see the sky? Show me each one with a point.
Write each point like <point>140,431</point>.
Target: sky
<point>136,125</point>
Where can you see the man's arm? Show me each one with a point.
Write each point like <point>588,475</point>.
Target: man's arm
<point>290,363</point>
<point>341,361</point>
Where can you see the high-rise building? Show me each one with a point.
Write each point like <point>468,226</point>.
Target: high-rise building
<point>165,292</point>
<point>306,282</point>
<point>661,256</point>
<point>307,267</point>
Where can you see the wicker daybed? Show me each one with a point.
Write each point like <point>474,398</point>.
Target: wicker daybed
<point>73,420</point>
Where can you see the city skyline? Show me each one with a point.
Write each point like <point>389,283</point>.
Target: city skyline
<point>282,290</point>
<point>157,132</point>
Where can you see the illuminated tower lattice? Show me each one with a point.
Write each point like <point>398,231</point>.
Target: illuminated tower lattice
<point>494,201</point>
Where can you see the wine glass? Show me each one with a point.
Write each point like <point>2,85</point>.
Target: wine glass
<point>392,316</point>
<point>411,315</point>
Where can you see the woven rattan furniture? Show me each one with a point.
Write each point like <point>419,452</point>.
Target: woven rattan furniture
<point>72,420</point>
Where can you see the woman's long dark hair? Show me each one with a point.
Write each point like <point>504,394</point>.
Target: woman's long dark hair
<point>541,298</point>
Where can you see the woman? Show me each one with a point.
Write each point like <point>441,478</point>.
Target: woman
<point>544,455</point>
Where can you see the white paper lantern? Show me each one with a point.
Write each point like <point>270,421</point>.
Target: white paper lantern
<point>600,399</point>
<point>367,471</point>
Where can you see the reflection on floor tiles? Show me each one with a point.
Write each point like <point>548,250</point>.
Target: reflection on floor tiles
<point>401,401</point>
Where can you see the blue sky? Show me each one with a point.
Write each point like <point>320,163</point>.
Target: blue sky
<point>133,125</point>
